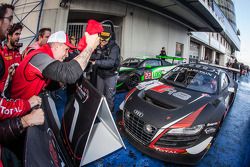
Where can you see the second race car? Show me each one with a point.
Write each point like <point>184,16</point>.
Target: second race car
<point>135,70</point>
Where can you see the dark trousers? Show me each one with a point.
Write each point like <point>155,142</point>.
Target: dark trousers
<point>107,87</point>
<point>235,76</point>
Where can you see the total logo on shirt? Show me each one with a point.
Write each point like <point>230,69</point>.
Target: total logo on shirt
<point>5,111</point>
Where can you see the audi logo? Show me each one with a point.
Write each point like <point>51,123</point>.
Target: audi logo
<point>138,113</point>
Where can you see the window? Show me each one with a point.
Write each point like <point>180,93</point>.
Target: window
<point>165,63</point>
<point>224,81</point>
<point>193,79</point>
<point>151,63</point>
<point>179,49</point>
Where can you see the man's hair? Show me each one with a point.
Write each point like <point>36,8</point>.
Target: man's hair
<point>14,28</point>
<point>42,31</point>
<point>3,9</point>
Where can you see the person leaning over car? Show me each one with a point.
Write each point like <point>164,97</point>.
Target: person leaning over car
<point>46,63</point>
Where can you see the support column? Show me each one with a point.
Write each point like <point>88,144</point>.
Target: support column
<point>213,56</point>
<point>201,52</point>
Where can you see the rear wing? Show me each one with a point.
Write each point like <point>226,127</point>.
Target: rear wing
<point>223,67</point>
<point>173,58</point>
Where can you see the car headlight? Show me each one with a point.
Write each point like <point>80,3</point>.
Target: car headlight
<point>186,131</point>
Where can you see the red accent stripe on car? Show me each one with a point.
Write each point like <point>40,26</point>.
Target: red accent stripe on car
<point>161,88</point>
<point>188,121</point>
<point>129,93</point>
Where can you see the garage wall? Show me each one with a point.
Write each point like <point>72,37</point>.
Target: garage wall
<point>144,33</point>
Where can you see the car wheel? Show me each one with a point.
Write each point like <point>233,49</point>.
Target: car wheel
<point>132,81</point>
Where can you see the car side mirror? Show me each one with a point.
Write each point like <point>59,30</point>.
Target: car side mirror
<point>148,66</point>
<point>231,89</point>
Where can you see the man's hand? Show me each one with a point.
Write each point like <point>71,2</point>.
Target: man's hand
<point>92,40</point>
<point>35,101</point>
<point>91,61</point>
<point>36,117</point>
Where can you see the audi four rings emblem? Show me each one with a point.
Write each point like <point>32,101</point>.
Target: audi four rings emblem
<point>138,113</point>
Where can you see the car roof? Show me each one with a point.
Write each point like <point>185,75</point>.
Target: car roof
<point>204,67</point>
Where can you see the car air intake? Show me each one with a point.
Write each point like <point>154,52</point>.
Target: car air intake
<point>134,126</point>
<point>158,103</point>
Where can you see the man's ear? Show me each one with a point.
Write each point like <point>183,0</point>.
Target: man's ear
<point>8,37</point>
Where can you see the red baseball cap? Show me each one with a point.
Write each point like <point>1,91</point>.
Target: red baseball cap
<point>60,37</point>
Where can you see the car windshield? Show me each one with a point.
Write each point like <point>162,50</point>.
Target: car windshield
<point>131,62</point>
<point>192,78</point>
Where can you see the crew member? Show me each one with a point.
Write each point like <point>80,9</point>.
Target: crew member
<point>43,36</point>
<point>107,60</point>
<point>10,52</point>
<point>163,52</point>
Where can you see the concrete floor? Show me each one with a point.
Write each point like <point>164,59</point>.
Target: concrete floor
<point>231,148</point>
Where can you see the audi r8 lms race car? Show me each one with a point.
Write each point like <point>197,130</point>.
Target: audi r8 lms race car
<point>176,118</point>
<point>135,70</point>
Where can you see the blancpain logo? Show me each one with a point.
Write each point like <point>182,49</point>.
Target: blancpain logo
<point>138,113</point>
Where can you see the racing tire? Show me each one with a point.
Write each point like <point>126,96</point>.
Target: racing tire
<point>132,81</point>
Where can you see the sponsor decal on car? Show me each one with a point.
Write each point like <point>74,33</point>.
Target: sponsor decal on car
<point>212,124</point>
<point>148,85</point>
<point>161,88</point>
<point>171,91</point>
<point>169,150</point>
<point>181,95</point>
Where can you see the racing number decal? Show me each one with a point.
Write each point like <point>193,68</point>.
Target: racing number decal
<point>147,75</point>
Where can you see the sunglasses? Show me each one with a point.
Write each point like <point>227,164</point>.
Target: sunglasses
<point>104,40</point>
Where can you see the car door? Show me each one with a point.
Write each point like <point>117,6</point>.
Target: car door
<point>225,88</point>
<point>148,69</point>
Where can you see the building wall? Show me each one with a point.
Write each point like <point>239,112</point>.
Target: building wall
<point>144,33</point>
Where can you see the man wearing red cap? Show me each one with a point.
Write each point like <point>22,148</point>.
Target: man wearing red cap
<point>44,64</point>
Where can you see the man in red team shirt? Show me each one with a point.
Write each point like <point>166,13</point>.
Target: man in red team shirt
<point>10,52</point>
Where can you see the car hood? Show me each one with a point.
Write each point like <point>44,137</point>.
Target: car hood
<point>161,103</point>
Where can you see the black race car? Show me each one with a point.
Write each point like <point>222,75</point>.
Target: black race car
<point>135,70</point>
<point>177,118</point>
